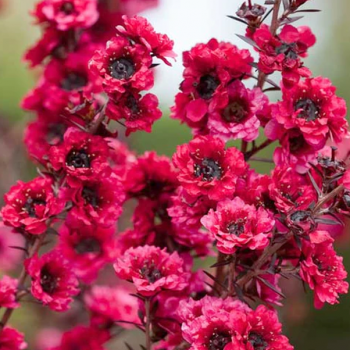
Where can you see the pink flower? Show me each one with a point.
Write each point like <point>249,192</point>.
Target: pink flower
<point>65,15</point>
<point>313,108</point>
<point>96,202</point>
<point>152,270</point>
<point>88,338</point>
<point>207,168</point>
<point>238,118</point>
<point>209,68</point>
<point>324,272</point>
<point>110,304</point>
<point>236,224</point>
<point>151,176</point>
<point>290,190</point>
<point>122,64</point>
<point>81,155</point>
<point>87,248</point>
<point>259,329</point>
<point>30,205</point>
<point>138,112</point>
<point>53,282</point>
<point>282,52</point>
<point>140,31</point>
<point>11,339</point>
<point>8,290</point>
<point>186,211</point>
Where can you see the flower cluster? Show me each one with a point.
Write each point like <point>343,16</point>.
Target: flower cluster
<point>114,240</point>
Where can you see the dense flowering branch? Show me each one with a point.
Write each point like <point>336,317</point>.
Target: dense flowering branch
<point>98,66</point>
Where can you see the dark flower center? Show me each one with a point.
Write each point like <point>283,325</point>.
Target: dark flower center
<point>296,143</point>
<point>55,133</point>
<point>235,112</point>
<point>236,228</point>
<point>207,86</point>
<point>121,68</point>
<point>48,281</point>
<point>67,8</point>
<point>151,273</point>
<point>218,341</point>
<point>78,159</point>
<point>30,204</point>
<point>73,81</point>
<point>257,341</point>
<point>88,245</point>
<point>209,169</point>
<point>90,196</point>
<point>131,103</point>
<point>300,216</point>
<point>310,110</point>
<point>289,50</point>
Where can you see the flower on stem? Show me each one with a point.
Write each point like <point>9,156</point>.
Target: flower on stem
<point>11,339</point>
<point>324,272</point>
<point>110,304</point>
<point>87,248</point>
<point>81,156</point>
<point>152,269</point>
<point>53,282</point>
<point>209,68</point>
<point>66,14</point>
<point>139,30</point>
<point>207,168</point>
<point>236,224</point>
<point>30,205</point>
<point>283,52</point>
<point>123,65</point>
<point>137,112</point>
<point>312,107</point>
<point>96,202</point>
<point>8,290</point>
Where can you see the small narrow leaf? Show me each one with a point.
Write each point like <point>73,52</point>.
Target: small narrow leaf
<point>237,19</point>
<point>248,41</point>
<point>308,10</point>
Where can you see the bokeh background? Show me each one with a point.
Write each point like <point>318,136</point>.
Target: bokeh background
<point>187,22</point>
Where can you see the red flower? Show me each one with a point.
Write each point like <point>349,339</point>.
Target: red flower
<point>139,30</point>
<point>43,133</point>
<point>207,168</point>
<point>53,282</point>
<point>11,339</point>
<point>313,108</point>
<point>30,205</point>
<point>81,337</point>
<point>259,329</point>
<point>110,304</point>
<point>123,65</point>
<point>324,272</point>
<point>152,270</point>
<point>151,176</point>
<point>82,156</point>
<point>8,290</point>
<point>139,112</point>
<point>87,248</point>
<point>238,119</point>
<point>236,224</point>
<point>63,83</point>
<point>96,202</point>
<point>290,190</point>
<point>67,14</point>
<point>186,211</point>
<point>209,68</point>
<point>282,52</point>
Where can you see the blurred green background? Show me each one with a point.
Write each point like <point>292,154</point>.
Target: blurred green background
<point>309,329</point>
